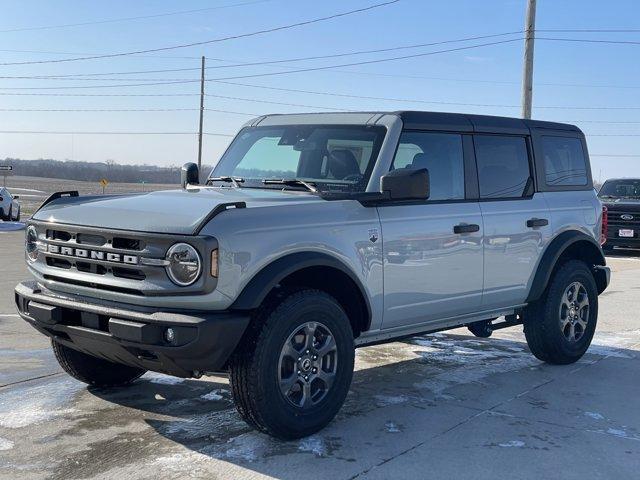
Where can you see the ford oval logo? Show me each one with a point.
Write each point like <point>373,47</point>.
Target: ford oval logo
<point>626,217</point>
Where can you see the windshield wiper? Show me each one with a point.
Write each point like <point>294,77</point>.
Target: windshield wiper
<point>226,178</point>
<point>294,182</point>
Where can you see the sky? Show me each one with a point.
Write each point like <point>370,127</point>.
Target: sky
<point>592,85</point>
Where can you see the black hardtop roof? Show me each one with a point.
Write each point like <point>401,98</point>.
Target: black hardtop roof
<point>418,120</point>
<point>476,123</point>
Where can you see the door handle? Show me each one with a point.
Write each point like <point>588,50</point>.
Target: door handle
<point>537,222</point>
<point>466,228</point>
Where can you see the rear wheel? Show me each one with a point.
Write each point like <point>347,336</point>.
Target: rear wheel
<point>294,367</point>
<point>92,370</point>
<point>560,326</point>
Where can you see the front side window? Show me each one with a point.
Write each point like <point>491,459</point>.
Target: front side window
<point>331,157</point>
<point>503,166</point>
<point>564,162</point>
<point>441,154</point>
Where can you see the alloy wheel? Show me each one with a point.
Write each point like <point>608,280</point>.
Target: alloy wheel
<point>574,312</point>
<point>308,365</point>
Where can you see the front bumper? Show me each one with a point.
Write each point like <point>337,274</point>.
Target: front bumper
<point>134,335</point>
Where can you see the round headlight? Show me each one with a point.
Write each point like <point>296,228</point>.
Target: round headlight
<point>31,243</point>
<point>184,264</point>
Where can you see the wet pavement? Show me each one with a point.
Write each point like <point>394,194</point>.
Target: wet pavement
<point>446,405</point>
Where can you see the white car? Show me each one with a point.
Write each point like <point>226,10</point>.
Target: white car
<point>9,206</point>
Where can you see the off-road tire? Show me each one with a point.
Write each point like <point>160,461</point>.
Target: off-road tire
<point>542,319</point>
<point>92,370</point>
<point>254,366</point>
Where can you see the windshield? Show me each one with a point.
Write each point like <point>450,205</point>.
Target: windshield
<point>621,188</point>
<point>330,157</point>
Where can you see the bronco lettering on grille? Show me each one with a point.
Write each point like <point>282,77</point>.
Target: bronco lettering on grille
<point>93,254</point>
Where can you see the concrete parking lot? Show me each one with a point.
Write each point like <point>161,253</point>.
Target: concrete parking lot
<point>437,406</point>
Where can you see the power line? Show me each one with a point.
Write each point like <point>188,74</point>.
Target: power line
<point>126,19</point>
<point>589,30</point>
<point>411,100</point>
<point>215,40</point>
<point>55,132</point>
<point>267,62</point>
<point>14,94</point>
<point>309,69</point>
<point>614,155</point>
<point>589,40</point>
<point>98,109</point>
<point>50,52</point>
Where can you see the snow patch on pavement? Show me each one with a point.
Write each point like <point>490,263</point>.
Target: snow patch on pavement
<point>392,427</point>
<point>5,444</point>
<point>161,379</point>
<point>512,444</point>
<point>313,445</point>
<point>214,395</point>
<point>594,415</point>
<point>386,400</point>
<point>29,405</point>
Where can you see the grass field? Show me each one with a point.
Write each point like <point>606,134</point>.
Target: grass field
<point>33,190</point>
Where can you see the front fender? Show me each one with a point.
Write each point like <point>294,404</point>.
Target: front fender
<point>266,279</point>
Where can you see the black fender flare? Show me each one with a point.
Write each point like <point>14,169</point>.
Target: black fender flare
<point>552,254</point>
<point>265,280</point>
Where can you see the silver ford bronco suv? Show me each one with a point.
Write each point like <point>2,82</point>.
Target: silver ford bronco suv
<point>315,234</point>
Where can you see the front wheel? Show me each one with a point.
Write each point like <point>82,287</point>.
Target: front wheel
<point>560,326</point>
<point>294,367</point>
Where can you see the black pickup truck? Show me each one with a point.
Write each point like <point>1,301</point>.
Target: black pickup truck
<point>621,196</point>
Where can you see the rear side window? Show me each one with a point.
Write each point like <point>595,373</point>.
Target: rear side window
<point>441,154</point>
<point>503,166</point>
<point>564,162</point>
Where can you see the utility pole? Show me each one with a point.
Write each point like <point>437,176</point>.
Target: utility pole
<point>527,74</point>
<point>201,116</point>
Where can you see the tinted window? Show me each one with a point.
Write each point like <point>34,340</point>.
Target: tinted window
<point>441,154</point>
<point>503,166</point>
<point>564,162</point>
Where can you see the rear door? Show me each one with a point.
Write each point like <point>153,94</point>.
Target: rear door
<point>433,249</point>
<point>516,218</point>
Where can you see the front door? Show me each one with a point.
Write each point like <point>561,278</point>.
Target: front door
<point>433,259</point>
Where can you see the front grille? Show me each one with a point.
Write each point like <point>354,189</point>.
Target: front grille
<point>68,250</point>
<point>631,221</point>
<point>113,260</point>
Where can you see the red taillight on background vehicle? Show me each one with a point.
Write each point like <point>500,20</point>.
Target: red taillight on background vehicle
<point>605,225</point>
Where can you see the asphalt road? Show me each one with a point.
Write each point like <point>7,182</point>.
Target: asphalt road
<point>444,406</point>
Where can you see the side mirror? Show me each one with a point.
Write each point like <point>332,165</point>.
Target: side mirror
<point>189,174</point>
<point>16,197</point>
<point>406,184</point>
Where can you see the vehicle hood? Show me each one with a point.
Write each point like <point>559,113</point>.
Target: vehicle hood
<point>626,204</point>
<point>168,211</point>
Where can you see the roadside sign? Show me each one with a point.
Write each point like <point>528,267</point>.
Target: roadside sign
<point>104,182</point>
<point>5,169</point>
